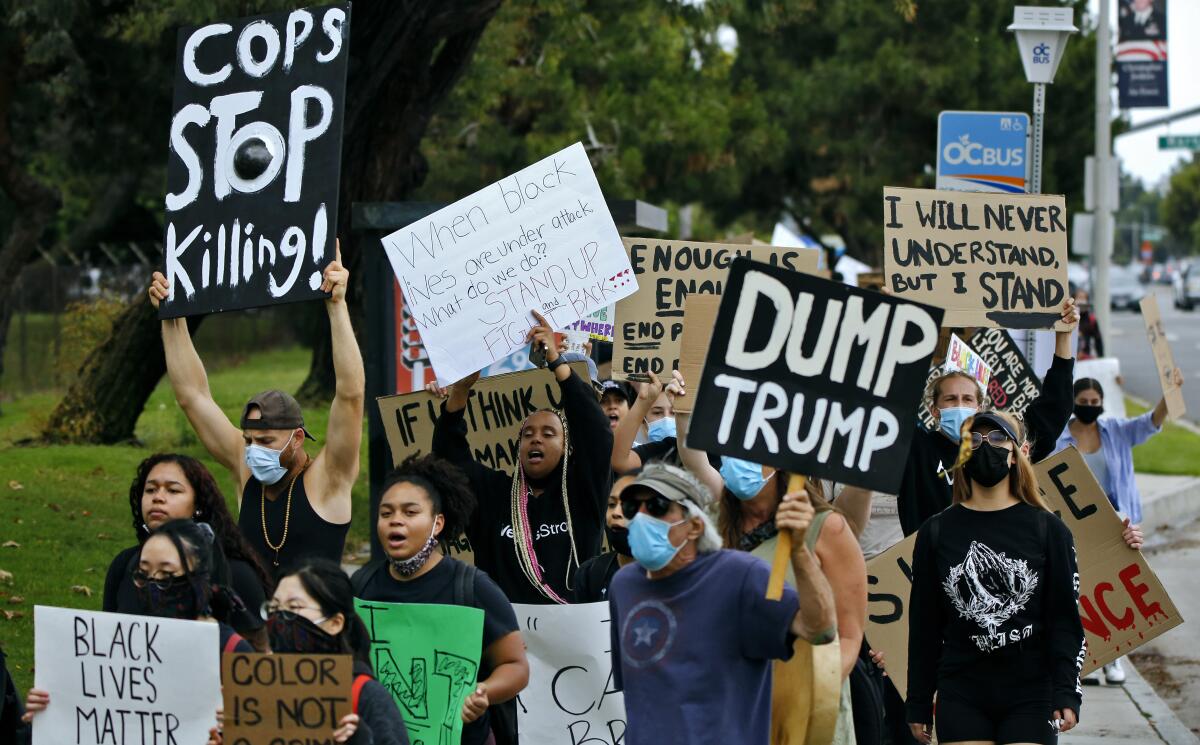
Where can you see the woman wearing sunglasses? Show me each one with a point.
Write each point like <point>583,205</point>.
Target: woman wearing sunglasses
<point>993,626</point>
<point>173,580</point>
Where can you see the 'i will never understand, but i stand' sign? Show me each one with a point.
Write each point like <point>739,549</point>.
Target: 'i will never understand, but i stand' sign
<point>539,240</point>
<point>813,377</point>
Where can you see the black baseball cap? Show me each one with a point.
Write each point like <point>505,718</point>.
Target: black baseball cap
<point>279,410</point>
<point>618,388</point>
<point>999,421</point>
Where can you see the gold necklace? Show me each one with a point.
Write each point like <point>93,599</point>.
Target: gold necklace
<point>287,513</point>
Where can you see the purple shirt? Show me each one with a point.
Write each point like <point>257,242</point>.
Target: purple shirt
<point>693,651</point>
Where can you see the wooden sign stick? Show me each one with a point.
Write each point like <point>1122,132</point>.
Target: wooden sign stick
<point>783,548</point>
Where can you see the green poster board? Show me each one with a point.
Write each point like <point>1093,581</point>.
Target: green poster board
<point>428,657</point>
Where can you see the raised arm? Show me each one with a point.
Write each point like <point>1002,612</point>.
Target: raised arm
<point>696,461</point>
<point>1062,339</point>
<point>1049,413</point>
<point>337,464</point>
<point>220,437</point>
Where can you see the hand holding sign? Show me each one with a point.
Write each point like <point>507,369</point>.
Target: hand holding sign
<point>476,704</point>
<point>541,336</point>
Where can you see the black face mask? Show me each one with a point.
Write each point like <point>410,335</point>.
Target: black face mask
<point>293,633</point>
<point>988,465</point>
<point>1088,414</point>
<point>174,598</point>
<point>618,538</point>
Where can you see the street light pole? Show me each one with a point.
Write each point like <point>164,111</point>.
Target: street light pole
<point>1102,226</point>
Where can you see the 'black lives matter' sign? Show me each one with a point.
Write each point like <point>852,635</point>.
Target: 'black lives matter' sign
<point>255,155</point>
<point>813,377</point>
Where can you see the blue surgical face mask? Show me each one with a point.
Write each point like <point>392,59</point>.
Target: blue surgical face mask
<point>743,478</point>
<point>661,429</point>
<point>650,541</point>
<point>264,463</point>
<point>951,420</point>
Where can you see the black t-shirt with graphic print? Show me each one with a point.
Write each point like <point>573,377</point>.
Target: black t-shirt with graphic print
<point>989,584</point>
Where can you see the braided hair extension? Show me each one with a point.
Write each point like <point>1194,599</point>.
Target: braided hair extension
<point>523,535</point>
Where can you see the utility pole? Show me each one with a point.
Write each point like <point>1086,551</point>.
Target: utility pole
<point>1102,226</point>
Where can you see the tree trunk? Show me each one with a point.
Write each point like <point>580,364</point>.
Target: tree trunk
<point>404,58</point>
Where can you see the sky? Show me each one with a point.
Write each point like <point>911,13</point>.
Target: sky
<point>1139,151</point>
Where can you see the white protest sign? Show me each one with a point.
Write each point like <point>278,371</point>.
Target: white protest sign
<point>117,679</point>
<point>541,239</point>
<point>964,359</point>
<point>569,698</point>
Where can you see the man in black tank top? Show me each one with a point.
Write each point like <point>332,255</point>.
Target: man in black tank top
<point>291,505</point>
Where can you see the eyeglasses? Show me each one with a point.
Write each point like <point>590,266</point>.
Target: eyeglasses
<point>996,438</point>
<point>159,582</point>
<point>656,506</point>
<point>270,606</point>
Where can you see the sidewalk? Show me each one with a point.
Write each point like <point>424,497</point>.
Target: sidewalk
<point>1168,500</point>
<point>1131,713</point>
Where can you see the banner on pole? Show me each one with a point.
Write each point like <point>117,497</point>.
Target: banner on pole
<point>1142,54</point>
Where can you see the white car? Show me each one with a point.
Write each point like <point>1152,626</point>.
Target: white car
<point>1187,287</point>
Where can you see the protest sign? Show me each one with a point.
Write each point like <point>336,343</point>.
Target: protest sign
<point>254,160</point>
<point>570,697</point>
<point>119,678</point>
<point>1013,386</point>
<point>1107,372</point>
<point>699,317</point>
<point>959,358</point>
<point>289,696</point>
<point>650,322</point>
<point>1164,360</point>
<point>427,656</point>
<point>889,585</point>
<point>994,260</point>
<point>813,377</point>
<point>1121,602</point>
<point>541,239</point>
<point>598,325</point>
<point>871,280</point>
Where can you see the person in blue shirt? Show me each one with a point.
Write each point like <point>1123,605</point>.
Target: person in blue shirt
<point>1107,447</point>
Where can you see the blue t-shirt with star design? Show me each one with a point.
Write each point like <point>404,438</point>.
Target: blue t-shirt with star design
<point>691,648</point>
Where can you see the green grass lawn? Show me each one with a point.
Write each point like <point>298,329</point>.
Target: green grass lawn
<point>1172,451</point>
<point>68,506</point>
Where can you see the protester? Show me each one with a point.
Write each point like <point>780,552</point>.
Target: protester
<point>595,575</point>
<point>312,612</point>
<point>1091,341</point>
<point>173,579</point>
<point>531,530</point>
<point>290,506</point>
<point>652,413</point>
<point>425,503</point>
<point>169,486</point>
<point>615,400</point>
<point>954,397</point>
<point>993,626</point>
<point>1106,444</point>
<point>693,634</point>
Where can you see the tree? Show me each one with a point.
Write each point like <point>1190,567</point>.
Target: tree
<point>405,56</point>
<point>1180,208</point>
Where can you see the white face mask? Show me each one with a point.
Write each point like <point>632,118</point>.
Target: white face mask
<point>264,462</point>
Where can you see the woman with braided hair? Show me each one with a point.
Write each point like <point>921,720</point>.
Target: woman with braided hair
<point>530,531</point>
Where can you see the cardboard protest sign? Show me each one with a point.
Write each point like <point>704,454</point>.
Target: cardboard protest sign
<point>119,678</point>
<point>569,698</point>
<point>699,317</point>
<point>813,377</point>
<point>995,260</point>
<point>1164,360</point>
<point>1013,385</point>
<point>871,280</point>
<point>889,585</point>
<point>1121,602</point>
<point>650,322</point>
<point>427,656</point>
<point>273,696</point>
<point>541,239</point>
<point>254,161</point>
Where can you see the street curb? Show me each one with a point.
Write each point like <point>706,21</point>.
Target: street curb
<point>1158,714</point>
<point>1174,508</point>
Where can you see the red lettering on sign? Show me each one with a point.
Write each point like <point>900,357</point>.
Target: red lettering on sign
<point>1091,620</point>
<point>1138,591</point>
<point>1125,621</point>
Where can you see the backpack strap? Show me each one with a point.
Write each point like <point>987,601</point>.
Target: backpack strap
<point>364,576</point>
<point>231,643</point>
<point>814,530</point>
<point>360,680</point>
<point>464,584</point>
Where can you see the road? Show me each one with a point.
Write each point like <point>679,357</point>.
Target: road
<point>1128,341</point>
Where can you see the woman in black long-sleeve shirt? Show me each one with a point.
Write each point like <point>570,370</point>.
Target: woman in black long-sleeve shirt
<point>993,625</point>
<point>530,531</point>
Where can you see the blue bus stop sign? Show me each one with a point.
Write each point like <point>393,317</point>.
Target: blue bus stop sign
<point>983,151</point>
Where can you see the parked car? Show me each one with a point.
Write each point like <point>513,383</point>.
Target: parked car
<point>1124,290</point>
<point>1187,287</point>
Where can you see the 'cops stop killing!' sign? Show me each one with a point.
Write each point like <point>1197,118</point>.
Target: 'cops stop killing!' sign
<point>254,160</point>
<point>812,376</point>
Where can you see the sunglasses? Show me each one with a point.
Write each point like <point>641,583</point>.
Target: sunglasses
<point>656,506</point>
<point>996,438</point>
<point>141,579</point>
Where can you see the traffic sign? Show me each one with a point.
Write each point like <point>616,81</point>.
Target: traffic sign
<point>983,151</point>
<point>1179,142</point>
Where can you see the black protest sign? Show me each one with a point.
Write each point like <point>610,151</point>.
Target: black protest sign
<point>813,377</point>
<point>254,160</point>
<point>1013,385</point>
<point>274,698</point>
